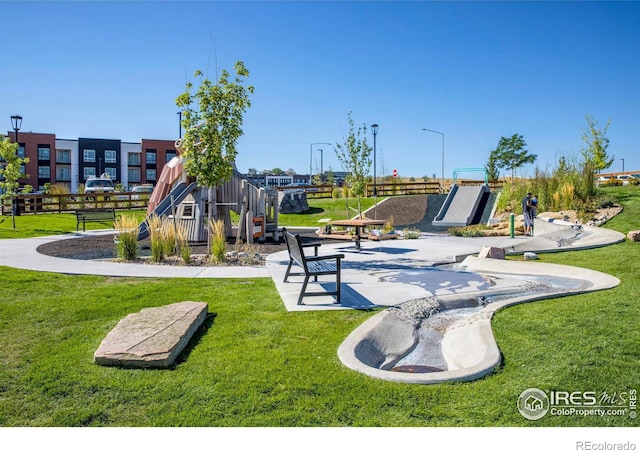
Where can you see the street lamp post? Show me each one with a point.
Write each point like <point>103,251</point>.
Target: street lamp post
<point>179,124</point>
<point>442,173</point>
<point>16,123</point>
<point>311,158</point>
<point>622,164</point>
<point>321,165</point>
<point>374,131</point>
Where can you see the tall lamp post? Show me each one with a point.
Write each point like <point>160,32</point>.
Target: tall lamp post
<point>16,123</point>
<point>179,124</point>
<point>442,173</point>
<point>622,164</point>
<point>374,131</point>
<point>321,165</point>
<point>311,158</point>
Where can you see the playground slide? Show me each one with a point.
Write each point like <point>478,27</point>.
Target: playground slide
<point>169,175</point>
<point>179,193</point>
<point>460,206</point>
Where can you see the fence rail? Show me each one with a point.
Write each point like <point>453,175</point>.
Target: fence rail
<point>313,191</point>
<point>410,188</point>
<point>60,203</point>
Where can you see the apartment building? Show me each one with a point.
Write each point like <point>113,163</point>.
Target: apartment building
<point>70,162</point>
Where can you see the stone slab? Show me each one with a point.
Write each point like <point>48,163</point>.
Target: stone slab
<point>634,236</point>
<point>153,337</point>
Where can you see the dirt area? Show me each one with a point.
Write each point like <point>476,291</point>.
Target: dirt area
<point>404,210</point>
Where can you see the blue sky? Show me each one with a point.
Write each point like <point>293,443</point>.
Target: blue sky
<point>475,71</point>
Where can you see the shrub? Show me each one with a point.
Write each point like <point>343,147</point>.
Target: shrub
<point>218,240</point>
<point>127,239</point>
<point>158,246</point>
<point>469,231</point>
<point>411,233</point>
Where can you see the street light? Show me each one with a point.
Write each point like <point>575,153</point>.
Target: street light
<point>311,158</point>
<point>179,124</point>
<point>442,174</point>
<point>321,166</point>
<point>374,131</point>
<point>16,123</point>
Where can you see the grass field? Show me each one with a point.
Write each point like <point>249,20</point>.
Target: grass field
<point>254,364</point>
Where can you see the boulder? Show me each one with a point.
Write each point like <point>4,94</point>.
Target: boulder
<point>492,252</point>
<point>634,236</point>
<point>153,337</point>
<point>293,202</point>
<point>530,256</point>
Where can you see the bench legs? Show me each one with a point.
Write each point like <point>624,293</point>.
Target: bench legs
<point>303,291</point>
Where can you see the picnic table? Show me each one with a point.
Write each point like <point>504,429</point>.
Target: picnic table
<point>358,224</point>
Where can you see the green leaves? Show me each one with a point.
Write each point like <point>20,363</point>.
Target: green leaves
<point>10,167</point>
<point>510,154</point>
<point>597,142</point>
<point>212,118</point>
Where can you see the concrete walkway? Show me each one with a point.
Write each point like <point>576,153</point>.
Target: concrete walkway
<point>370,277</point>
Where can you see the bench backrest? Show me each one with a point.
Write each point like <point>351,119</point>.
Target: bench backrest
<point>294,246</point>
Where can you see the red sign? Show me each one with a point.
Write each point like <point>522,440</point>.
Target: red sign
<point>394,173</point>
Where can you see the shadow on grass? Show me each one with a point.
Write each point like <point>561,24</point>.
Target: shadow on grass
<point>195,339</point>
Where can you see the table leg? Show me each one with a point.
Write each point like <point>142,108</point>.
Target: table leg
<point>358,238</point>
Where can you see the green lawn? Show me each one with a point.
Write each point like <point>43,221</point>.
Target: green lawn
<point>254,364</point>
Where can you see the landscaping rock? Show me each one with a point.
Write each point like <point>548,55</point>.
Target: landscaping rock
<point>293,202</point>
<point>530,256</point>
<point>634,236</point>
<point>153,337</point>
<point>492,252</point>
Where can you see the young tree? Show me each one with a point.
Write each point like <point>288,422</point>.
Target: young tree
<point>595,153</point>
<point>10,172</point>
<point>212,119</point>
<point>493,171</point>
<point>511,154</point>
<point>355,156</point>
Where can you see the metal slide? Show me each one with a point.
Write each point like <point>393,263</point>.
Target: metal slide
<point>460,206</point>
<point>178,194</point>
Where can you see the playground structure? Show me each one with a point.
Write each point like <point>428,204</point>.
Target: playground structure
<point>464,204</point>
<point>178,196</point>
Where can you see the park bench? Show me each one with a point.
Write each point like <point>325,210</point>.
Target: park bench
<point>312,265</point>
<point>94,215</point>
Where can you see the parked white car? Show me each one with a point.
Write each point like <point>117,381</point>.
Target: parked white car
<point>98,184</point>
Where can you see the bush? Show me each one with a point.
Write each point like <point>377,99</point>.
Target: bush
<point>127,239</point>
<point>158,245</point>
<point>218,240</point>
<point>469,231</point>
<point>411,233</point>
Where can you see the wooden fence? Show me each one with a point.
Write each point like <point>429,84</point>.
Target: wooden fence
<point>60,203</point>
<point>313,191</point>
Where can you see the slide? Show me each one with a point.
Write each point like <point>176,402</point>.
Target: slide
<point>169,175</point>
<point>460,206</point>
<point>179,193</point>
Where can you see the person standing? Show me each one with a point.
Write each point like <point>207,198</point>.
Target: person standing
<point>526,213</point>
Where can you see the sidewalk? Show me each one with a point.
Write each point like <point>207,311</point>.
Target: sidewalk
<point>383,273</point>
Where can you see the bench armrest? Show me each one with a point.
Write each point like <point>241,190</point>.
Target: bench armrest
<point>323,257</point>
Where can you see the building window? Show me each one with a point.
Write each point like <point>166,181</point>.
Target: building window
<point>63,156</point>
<point>89,155</point>
<point>111,171</point>
<point>44,153</point>
<point>89,172</point>
<point>151,157</point>
<point>170,155</point>
<point>23,169</point>
<point>134,159</point>
<point>63,173</point>
<point>21,152</point>
<point>110,156</point>
<point>151,174</point>
<point>44,172</point>
<point>134,173</point>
